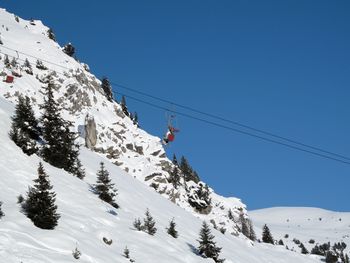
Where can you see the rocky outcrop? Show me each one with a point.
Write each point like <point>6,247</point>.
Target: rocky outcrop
<point>90,132</point>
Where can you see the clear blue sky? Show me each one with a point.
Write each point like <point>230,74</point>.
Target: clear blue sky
<point>280,66</point>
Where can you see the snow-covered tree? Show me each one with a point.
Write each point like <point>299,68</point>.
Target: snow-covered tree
<point>266,235</point>
<point>207,247</point>
<point>24,129</point>
<point>40,65</point>
<point>107,88</point>
<point>7,62</point>
<point>124,107</point>
<point>39,205</point>
<point>14,62</point>
<point>126,252</point>
<point>104,186</point>
<point>188,173</point>
<point>171,229</point>
<point>137,224</point>
<point>60,148</point>
<point>27,67</point>
<point>69,49</point>
<point>51,34</point>
<point>175,177</point>
<point>149,224</point>
<point>199,197</point>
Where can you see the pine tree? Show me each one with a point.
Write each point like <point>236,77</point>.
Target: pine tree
<point>24,129</point>
<point>69,49</point>
<point>7,62</point>
<point>123,105</point>
<point>137,224</point>
<point>1,212</point>
<point>207,247</point>
<point>39,205</point>
<point>280,242</point>
<point>252,235</point>
<point>126,252</point>
<point>104,187</point>
<point>188,172</point>
<point>175,177</point>
<point>331,257</point>
<point>199,196</point>
<point>107,88</point>
<point>40,65</point>
<point>175,162</point>
<point>14,62</point>
<point>51,34</point>
<point>149,224</point>
<point>171,229</point>
<point>135,119</point>
<point>27,67</point>
<point>303,249</point>
<point>60,149</point>
<point>244,225</point>
<point>266,235</point>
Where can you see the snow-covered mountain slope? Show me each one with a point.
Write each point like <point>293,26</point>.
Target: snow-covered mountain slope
<point>304,224</point>
<point>86,220</point>
<point>84,103</point>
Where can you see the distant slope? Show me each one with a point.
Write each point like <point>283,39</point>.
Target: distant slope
<point>304,224</point>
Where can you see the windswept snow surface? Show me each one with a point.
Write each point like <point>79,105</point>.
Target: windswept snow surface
<point>304,224</point>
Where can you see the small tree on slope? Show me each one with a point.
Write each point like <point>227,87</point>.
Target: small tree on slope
<point>149,224</point>
<point>104,187</point>
<point>39,205</point>
<point>266,235</point>
<point>107,88</point>
<point>207,247</point>
<point>171,229</point>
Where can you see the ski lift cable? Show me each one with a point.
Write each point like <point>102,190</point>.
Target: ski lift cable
<point>236,130</point>
<point>232,122</point>
<point>209,115</point>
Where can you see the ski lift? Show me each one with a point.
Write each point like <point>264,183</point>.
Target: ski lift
<point>172,127</point>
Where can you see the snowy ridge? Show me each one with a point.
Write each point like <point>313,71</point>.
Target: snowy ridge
<point>304,224</point>
<point>80,95</point>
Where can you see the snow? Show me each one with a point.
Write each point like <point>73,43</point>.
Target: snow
<point>85,219</point>
<point>304,223</point>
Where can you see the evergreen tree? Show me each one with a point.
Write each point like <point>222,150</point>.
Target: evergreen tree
<point>199,196</point>
<point>244,225</point>
<point>207,247</point>
<point>104,187</point>
<point>69,49</point>
<point>124,107</point>
<point>135,119</point>
<point>27,67</point>
<point>39,205</point>
<point>126,252</point>
<point>51,34</point>
<point>331,257</point>
<point>175,177</point>
<point>175,162</point>
<point>280,242</point>
<point>347,260</point>
<point>7,62</point>
<point>303,249</point>
<point>171,229</point>
<point>252,235</point>
<point>188,172</point>
<point>316,251</point>
<point>137,224</point>
<point>1,212</point>
<point>14,62</point>
<point>40,65</point>
<point>149,224</point>
<point>107,88</point>
<point>24,129</point>
<point>266,235</point>
<point>230,215</point>
<point>60,148</point>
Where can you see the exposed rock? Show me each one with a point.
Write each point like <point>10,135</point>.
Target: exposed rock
<point>149,177</point>
<point>139,149</point>
<point>155,153</point>
<point>90,132</point>
<point>130,146</point>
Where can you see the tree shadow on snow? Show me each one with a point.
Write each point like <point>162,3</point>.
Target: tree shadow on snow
<point>193,249</point>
